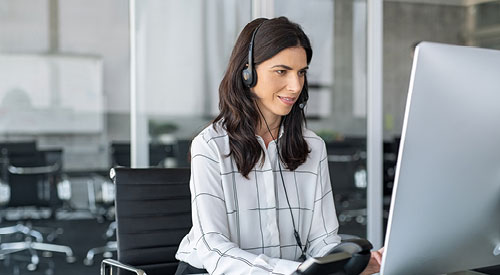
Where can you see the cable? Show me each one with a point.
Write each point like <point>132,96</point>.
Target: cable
<point>295,232</point>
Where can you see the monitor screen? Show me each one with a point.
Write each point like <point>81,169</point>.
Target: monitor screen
<point>445,210</point>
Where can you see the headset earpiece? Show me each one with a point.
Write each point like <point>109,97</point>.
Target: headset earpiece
<point>249,75</point>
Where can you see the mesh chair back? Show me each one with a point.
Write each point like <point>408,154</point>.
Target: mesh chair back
<point>153,214</point>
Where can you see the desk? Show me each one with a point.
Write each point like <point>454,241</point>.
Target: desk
<point>467,273</point>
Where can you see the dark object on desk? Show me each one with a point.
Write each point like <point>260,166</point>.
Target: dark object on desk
<point>350,257</point>
<point>153,214</point>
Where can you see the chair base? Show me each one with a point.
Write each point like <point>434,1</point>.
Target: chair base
<point>9,248</point>
<point>108,248</point>
<point>20,228</point>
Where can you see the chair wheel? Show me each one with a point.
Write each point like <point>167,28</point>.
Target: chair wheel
<point>360,219</point>
<point>107,254</point>
<point>31,267</point>
<point>70,259</point>
<point>88,262</point>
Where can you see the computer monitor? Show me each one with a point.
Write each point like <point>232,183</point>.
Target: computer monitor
<point>445,210</point>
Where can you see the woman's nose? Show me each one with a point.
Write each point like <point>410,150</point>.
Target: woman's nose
<point>294,83</point>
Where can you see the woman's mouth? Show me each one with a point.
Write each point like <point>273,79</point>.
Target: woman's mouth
<point>287,100</point>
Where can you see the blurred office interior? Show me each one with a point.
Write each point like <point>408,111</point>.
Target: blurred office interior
<point>65,102</point>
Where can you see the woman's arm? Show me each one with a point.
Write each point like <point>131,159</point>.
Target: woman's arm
<point>210,224</point>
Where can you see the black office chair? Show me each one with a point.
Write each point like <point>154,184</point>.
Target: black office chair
<point>160,156</point>
<point>32,176</point>
<point>153,214</point>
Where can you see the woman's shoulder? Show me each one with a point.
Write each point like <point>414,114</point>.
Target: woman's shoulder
<point>312,138</point>
<point>212,132</point>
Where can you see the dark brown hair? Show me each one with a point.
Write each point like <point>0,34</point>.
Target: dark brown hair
<point>238,110</point>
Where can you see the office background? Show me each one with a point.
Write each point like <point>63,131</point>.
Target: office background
<point>65,86</point>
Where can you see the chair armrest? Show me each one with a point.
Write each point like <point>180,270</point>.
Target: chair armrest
<point>49,169</point>
<point>107,264</point>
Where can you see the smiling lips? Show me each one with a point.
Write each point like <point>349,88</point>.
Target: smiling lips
<point>287,100</point>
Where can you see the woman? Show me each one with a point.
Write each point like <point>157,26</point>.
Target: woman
<point>254,214</point>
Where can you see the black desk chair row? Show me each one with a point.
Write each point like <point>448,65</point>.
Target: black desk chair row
<point>101,197</point>
<point>347,167</point>
<point>153,214</point>
<point>31,176</point>
<point>347,163</point>
<point>160,155</point>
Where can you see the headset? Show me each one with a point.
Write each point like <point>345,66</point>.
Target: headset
<point>249,75</point>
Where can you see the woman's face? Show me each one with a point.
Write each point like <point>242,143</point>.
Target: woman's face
<point>279,82</point>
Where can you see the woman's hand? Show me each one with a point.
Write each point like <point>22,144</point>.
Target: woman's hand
<point>374,263</point>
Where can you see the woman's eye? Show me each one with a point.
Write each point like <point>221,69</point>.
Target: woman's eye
<point>302,73</point>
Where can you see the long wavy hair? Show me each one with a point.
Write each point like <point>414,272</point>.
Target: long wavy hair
<point>239,113</point>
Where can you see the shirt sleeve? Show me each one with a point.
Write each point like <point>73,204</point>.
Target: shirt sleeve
<point>210,224</point>
<point>323,235</point>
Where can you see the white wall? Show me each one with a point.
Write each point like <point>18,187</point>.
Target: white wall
<point>100,28</point>
<point>24,26</point>
<point>86,27</point>
<point>183,50</point>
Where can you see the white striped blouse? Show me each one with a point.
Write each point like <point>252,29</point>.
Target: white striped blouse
<point>244,226</point>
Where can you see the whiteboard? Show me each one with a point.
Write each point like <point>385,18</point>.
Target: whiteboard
<point>42,94</point>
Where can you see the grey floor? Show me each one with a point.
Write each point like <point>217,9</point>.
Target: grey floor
<point>80,235</point>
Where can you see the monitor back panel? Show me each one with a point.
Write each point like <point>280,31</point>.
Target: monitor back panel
<point>445,211</point>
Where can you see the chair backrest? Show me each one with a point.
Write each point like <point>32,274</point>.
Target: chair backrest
<point>153,214</point>
<point>30,187</point>
<point>182,152</point>
<point>21,146</point>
